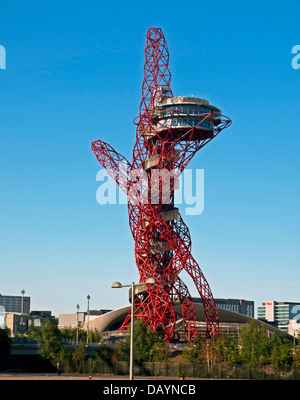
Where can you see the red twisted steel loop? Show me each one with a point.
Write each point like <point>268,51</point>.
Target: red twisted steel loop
<point>162,240</point>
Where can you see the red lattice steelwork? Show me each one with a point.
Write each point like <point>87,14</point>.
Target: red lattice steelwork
<point>165,143</point>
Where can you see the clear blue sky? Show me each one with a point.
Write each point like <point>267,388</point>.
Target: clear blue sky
<point>74,75</point>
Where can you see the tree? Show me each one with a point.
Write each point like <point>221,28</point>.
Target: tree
<point>228,351</point>
<point>70,333</point>
<point>79,353</point>
<point>148,345</point>
<point>254,342</point>
<point>143,341</point>
<point>280,351</point>
<point>65,354</point>
<point>192,351</point>
<point>296,357</point>
<point>48,337</point>
<point>5,344</point>
<point>103,353</point>
<point>208,353</point>
<point>160,352</point>
<point>120,352</point>
<point>94,336</point>
<point>201,351</point>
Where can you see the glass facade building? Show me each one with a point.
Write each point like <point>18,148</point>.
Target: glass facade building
<point>245,307</point>
<point>279,314</point>
<point>13,304</point>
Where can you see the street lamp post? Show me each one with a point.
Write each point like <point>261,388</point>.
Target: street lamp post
<point>77,307</point>
<point>150,281</point>
<point>22,312</point>
<point>87,330</point>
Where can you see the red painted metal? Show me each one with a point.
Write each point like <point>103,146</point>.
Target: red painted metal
<point>162,245</point>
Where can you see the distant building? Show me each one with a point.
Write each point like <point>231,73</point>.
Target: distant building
<point>71,319</point>
<point>245,307</point>
<point>230,324</point>
<point>38,317</point>
<point>294,328</point>
<point>97,312</point>
<point>15,304</point>
<point>2,318</point>
<point>15,313</point>
<point>279,314</point>
<point>17,323</point>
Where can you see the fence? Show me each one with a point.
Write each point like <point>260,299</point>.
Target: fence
<point>200,371</point>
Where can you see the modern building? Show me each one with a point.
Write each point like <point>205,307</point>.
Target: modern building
<point>15,313</point>
<point>245,307</point>
<point>230,323</point>
<point>279,314</point>
<point>15,304</point>
<point>17,323</point>
<point>2,318</point>
<point>16,316</point>
<point>38,317</point>
<point>70,320</point>
<point>294,328</point>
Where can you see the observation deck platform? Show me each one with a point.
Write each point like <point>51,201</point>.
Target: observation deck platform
<point>189,118</point>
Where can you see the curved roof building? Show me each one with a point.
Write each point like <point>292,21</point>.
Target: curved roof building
<point>229,322</point>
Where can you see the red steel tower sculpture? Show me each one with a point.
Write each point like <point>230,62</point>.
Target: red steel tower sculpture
<point>170,130</point>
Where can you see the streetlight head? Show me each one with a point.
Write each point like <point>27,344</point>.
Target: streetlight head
<point>116,285</point>
<point>151,281</point>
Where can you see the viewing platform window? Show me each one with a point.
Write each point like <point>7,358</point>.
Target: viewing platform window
<point>185,113</point>
<point>183,109</point>
<point>206,124</point>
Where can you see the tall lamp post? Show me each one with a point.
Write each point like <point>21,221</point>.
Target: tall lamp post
<point>77,307</point>
<point>88,310</point>
<point>117,285</point>
<point>22,312</point>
